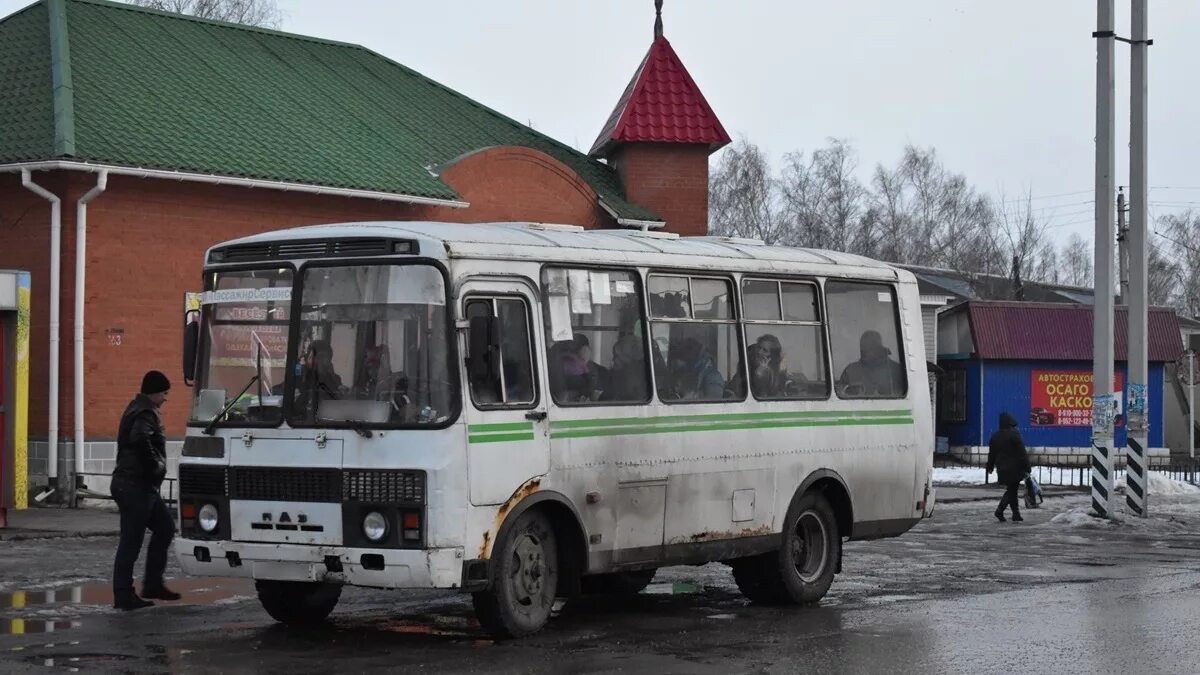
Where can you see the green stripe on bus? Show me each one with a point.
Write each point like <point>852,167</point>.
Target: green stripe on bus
<point>728,417</point>
<point>506,426</point>
<point>728,426</point>
<point>500,438</point>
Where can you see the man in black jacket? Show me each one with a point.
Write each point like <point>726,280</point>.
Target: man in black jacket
<point>1007,455</point>
<point>141,467</point>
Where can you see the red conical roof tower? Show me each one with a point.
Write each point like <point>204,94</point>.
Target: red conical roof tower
<point>659,137</point>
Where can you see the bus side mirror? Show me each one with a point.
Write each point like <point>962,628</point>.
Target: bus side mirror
<point>191,339</point>
<point>483,339</point>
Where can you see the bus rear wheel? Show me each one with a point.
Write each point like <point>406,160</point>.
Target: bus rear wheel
<point>524,579</point>
<point>618,583</point>
<point>298,603</point>
<point>802,570</point>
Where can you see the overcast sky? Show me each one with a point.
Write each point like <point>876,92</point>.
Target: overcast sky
<point>1004,91</point>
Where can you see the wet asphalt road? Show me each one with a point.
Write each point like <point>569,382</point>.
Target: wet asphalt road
<point>961,593</point>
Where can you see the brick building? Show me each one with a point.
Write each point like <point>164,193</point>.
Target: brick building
<point>160,134</point>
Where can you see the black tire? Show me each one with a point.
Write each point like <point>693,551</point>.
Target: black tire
<point>802,570</point>
<point>298,603</point>
<point>617,583</point>
<point>524,579</point>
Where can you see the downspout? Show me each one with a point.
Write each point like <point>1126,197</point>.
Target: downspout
<point>55,279</point>
<point>80,288</point>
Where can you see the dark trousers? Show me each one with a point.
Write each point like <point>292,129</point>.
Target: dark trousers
<point>1010,499</point>
<point>142,508</point>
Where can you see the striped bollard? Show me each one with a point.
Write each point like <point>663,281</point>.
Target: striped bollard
<point>1102,464</point>
<point>1135,458</point>
<point>1102,482</point>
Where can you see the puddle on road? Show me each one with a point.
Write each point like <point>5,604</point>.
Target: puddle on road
<point>672,588</point>
<point>33,626</point>
<point>196,591</point>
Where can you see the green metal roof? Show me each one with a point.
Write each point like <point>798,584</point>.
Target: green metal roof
<point>104,82</point>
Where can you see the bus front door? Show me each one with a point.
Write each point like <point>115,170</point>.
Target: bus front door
<point>507,429</point>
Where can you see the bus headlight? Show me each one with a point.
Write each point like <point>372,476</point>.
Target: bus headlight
<point>208,518</point>
<point>375,526</point>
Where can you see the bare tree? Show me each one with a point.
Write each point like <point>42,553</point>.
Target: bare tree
<point>1076,258</point>
<point>1025,239</point>
<point>1162,275</point>
<point>1179,234</point>
<point>825,202</point>
<point>261,13</point>
<point>743,198</point>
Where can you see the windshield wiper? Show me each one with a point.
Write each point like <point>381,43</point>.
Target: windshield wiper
<point>359,427</point>
<point>212,425</point>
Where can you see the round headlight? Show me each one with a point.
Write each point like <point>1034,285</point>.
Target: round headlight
<point>375,526</point>
<point>208,518</point>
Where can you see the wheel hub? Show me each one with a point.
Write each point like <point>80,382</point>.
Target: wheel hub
<point>529,570</point>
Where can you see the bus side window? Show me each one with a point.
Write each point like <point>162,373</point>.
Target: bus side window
<point>595,335</point>
<point>695,329</point>
<point>865,340</point>
<point>501,373</point>
<point>785,343</point>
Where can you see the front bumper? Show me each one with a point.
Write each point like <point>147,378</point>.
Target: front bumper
<point>428,568</point>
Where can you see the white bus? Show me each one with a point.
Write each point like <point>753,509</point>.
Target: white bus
<point>527,411</point>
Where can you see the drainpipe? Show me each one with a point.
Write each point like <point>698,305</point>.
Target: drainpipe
<point>55,278</point>
<point>80,288</point>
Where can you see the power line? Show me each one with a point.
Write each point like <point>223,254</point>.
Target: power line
<point>1040,197</point>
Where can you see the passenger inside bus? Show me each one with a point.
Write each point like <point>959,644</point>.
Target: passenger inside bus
<point>627,377</point>
<point>769,376</point>
<point>574,377</point>
<point>874,374</point>
<point>694,373</point>
<point>324,379</point>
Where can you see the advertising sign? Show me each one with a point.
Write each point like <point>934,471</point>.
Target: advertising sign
<point>1063,398</point>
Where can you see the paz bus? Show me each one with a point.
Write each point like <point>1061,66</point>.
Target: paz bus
<point>524,412</point>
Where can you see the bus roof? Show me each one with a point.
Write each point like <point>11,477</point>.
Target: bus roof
<point>570,243</point>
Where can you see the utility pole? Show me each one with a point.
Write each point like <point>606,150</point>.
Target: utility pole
<point>1102,308</point>
<point>1191,404</point>
<point>1122,246</point>
<point>1136,473</point>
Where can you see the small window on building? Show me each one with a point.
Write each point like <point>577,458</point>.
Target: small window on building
<point>865,340</point>
<point>785,343</point>
<point>695,331</point>
<point>596,337</point>
<point>952,396</point>
<point>506,375</point>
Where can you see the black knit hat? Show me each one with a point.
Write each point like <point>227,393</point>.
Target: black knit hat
<point>155,382</point>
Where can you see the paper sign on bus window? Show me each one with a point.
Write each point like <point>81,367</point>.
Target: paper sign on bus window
<point>600,290</point>
<point>581,292</point>
<point>885,297</point>
<point>560,317</point>
<point>556,282</point>
<point>623,287</point>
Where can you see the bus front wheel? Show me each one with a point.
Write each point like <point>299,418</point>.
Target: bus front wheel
<point>802,570</point>
<point>298,603</point>
<point>524,579</point>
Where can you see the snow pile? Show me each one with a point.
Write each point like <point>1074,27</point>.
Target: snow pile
<point>1082,518</point>
<point>1160,485</point>
<point>964,475</point>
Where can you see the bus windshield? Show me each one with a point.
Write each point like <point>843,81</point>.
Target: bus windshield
<point>244,348</point>
<point>373,348</point>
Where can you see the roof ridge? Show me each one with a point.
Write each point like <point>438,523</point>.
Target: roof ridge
<point>487,109</point>
<point>111,4</point>
<point>62,85</point>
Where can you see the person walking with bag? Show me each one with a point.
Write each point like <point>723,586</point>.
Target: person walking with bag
<point>141,468</point>
<point>1007,455</point>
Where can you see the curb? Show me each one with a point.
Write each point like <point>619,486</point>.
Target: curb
<point>27,535</point>
<point>989,498</point>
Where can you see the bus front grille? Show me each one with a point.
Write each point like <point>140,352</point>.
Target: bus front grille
<point>274,484</point>
<point>198,480</point>
<point>384,487</point>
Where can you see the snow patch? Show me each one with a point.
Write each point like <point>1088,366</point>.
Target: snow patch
<point>965,475</point>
